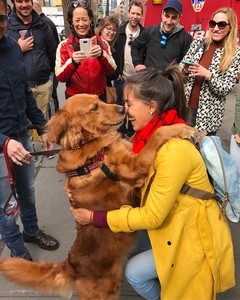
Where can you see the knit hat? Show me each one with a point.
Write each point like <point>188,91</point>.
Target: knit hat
<point>174,4</point>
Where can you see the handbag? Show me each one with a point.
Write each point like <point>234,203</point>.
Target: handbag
<point>111,95</point>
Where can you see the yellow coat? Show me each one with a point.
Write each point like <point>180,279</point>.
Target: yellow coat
<point>191,243</point>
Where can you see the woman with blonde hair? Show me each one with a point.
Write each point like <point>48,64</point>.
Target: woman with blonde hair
<point>213,71</point>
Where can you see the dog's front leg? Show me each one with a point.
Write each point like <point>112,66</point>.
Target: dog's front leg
<point>137,166</point>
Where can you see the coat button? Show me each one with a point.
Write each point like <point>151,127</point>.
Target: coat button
<point>169,243</point>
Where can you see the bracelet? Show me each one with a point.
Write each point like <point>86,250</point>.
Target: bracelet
<point>91,217</point>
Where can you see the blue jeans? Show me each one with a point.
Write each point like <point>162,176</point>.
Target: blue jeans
<point>140,270</point>
<point>126,127</point>
<point>24,181</point>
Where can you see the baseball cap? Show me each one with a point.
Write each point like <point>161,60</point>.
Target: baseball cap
<point>174,4</point>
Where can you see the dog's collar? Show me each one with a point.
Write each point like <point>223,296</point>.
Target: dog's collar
<point>86,169</point>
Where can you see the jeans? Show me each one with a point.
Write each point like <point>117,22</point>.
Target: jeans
<point>24,182</point>
<point>235,152</point>
<point>126,127</point>
<point>140,270</point>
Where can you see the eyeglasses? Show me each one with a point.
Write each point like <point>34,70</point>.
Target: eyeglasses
<point>3,18</point>
<point>163,41</point>
<point>82,4</point>
<point>109,29</point>
<point>221,24</point>
<point>131,38</point>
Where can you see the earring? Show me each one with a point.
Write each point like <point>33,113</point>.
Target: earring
<point>150,113</point>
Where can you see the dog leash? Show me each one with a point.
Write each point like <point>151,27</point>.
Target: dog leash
<point>7,204</point>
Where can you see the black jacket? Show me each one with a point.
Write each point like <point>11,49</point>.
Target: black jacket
<point>157,56</point>
<point>40,61</point>
<point>17,104</point>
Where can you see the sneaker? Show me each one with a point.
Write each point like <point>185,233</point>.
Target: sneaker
<point>50,156</point>
<point>27,256</point>
<point>42,239</point>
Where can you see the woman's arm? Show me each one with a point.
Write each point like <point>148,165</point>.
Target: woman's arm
<point>172,168</point>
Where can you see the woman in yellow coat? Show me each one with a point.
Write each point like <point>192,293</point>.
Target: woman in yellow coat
<point>191,255</point>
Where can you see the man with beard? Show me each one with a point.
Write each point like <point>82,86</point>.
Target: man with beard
<point>126,34</point>
<point>38,46</point>
<point>164,43</point>
<point>17,107</point>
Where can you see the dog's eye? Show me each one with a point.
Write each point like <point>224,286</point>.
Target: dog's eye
<point>95,107</point>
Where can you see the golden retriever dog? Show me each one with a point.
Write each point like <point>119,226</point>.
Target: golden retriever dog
<point>101,172</point>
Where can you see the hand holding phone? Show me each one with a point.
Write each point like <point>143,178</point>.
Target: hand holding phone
<point>87,44</point>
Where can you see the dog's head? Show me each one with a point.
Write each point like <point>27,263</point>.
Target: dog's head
<point>83,118</point>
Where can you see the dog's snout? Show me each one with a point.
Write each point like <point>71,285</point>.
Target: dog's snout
<point>120,109</point>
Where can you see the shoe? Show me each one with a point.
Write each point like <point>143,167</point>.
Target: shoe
<point>27,256</point>
<point>42,239</point>
<point>50,156</point>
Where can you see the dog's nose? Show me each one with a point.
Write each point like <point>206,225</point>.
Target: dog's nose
<point>120,109</point>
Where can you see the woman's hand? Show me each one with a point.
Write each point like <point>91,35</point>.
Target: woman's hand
<point>95,51</point>
<point>237,139</point>
<point>82,216</point>
<point>78,56</point>
<point>198,70</point>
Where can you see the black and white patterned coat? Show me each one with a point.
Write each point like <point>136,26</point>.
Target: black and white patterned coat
<point>212,98</point>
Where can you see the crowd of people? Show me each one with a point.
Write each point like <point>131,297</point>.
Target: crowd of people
<point>162,77</point>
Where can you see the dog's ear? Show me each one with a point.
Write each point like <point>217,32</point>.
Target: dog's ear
<point>64,129</point>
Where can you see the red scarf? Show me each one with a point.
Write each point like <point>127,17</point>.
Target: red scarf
<point>142,136</point>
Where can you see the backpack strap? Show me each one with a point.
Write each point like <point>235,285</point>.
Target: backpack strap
<point>198,193</point>
<point>205,195</point>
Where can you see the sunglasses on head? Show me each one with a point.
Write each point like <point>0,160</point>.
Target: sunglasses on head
<point>221,24</point>
<point>163,41</point>
<point>3,18</point>
<point>82,4</point>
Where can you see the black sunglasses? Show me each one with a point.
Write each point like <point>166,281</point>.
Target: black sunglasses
<point>221,24</point>
<point>163,41</point>
<point>82,4</point>
<point>130,39</point>
<point>3,18</point>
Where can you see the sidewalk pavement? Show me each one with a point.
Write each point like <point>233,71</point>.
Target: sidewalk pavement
<point>56,219</point>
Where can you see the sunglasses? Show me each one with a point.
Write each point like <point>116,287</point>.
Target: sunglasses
<point>3,18</point>
<point>82,4</point>
<point>163,41</point>
<point>221,24</point>
<point>109,29</point>
<point>130,39</point>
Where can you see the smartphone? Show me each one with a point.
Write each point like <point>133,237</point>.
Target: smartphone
<point>25,34</point>
<point>188,63</point>
<point>85,46</point>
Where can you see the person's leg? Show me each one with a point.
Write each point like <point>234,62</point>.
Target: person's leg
<point>42,93</point>
<point>25,186</point>
<point>235,151</point>
<point>140,272</point>
<point>9,229</point>
<point>192,117</point>
<point>142,243</point>
<point>118,84</point>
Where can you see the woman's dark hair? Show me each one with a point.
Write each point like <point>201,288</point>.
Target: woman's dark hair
<point>165,87</point>
<point>70,16</point>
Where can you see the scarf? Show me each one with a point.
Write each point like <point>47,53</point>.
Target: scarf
<point>142,136</point>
